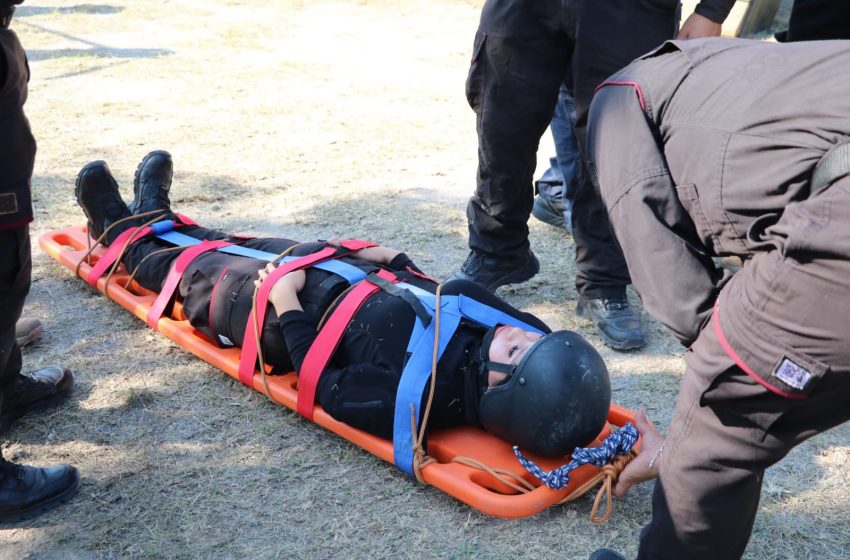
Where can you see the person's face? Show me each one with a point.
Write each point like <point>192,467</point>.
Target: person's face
<point>509,345</point>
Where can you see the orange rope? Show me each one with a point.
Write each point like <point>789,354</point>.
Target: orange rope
<point>135,270</point>
<point>87,256</point>
<point>607,475</point>
<point>127,244</point>
<point>257,334</point>
<point>420,458</point>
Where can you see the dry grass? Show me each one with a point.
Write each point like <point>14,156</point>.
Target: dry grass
<point>300,119</point>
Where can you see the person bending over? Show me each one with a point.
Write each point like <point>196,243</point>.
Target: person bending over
<point>547,392</point>
<point>717,148</point>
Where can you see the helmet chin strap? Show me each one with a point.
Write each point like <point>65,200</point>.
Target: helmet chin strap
<point>500,367</point>
<point>489,365</point>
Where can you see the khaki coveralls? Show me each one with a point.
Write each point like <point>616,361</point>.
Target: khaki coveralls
<point>708,148</point>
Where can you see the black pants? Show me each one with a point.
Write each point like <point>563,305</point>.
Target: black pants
<point>520,56</point>
<point>217,288</point>
<point>15,273</point>
<point>819,19</point>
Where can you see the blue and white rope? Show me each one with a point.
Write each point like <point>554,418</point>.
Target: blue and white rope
<point>618,443</point>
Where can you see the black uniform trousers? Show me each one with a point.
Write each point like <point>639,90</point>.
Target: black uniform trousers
<point>520,56</point>
<point>819,19</point>
<point>727,427</point>
<point>15,274</point>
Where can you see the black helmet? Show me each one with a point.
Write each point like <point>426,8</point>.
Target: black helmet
<point>556,398</point>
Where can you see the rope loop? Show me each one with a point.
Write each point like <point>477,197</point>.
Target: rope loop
<point>620,442</point>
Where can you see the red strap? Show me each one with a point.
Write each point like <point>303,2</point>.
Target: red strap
<point>248,358</point>
<point>109,258</point>
<point>185,220</point>
<point>356,244</point>
<point>175,274</point>
<point>328,339</point>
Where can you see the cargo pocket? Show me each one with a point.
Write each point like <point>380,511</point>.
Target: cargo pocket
<point>689,198</point>
<point>475,79</point>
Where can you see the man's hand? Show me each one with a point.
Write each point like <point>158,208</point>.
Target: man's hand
<point>697,26</point>
<point>638,470</point>
<point>284,294</point>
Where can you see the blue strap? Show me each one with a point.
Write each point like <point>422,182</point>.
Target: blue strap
<point>417,371</point>
<point>411,387</point>
<point>350,272</point>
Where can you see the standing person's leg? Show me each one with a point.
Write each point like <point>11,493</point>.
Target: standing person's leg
<point>770,370</point>
<point>556,187</point>
<point>818,19</point>
<point>15,267</point>
<point>726,430</point>
<point>24,490</point>
<point>519,59</point>
<point>612,33</point>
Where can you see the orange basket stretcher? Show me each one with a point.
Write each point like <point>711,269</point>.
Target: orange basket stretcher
<point>478,488</point>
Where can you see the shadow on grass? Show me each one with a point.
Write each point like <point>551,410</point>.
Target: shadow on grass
<point>94,50</point>
<point>101,9</point>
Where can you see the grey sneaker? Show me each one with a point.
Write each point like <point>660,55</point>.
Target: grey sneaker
<point>491,272</point>
<point>28,330</point>
<point>617,323</point>
<point>550,206</point>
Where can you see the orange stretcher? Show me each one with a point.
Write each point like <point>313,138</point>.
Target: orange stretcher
<point>479,488</point>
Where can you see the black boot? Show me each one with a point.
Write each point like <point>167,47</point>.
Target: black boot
<point>28,491</point>
<point>152,183</point>
<point>98,196</point>
<point>492,272</point>
<point>34,391</point>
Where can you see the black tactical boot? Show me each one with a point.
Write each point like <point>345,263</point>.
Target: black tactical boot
<point>98,196</point>
<point>617,323</point>
<point>34,391</point>
<point>152,183</point>
<point>492,272</point>
<point>28,491</point>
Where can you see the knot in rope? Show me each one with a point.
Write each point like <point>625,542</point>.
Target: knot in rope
<point>618,443</point>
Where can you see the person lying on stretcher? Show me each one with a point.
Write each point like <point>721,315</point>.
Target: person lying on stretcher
<point>547,392</point>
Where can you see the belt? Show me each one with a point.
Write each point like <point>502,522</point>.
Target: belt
<point>832,167</point>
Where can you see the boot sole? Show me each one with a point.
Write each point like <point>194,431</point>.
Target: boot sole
<point>87,167</point>
<point>134,206</point>
<point>514,277</point>
<point>39,508</point>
